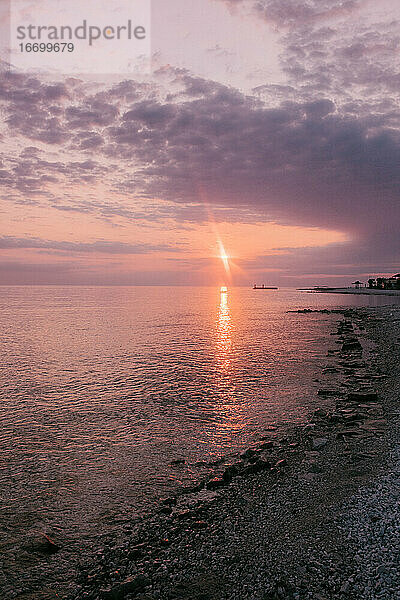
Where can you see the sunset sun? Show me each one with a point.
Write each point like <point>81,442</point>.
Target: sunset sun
<point>224,257</point>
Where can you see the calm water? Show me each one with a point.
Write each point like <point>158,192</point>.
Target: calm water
<point>102,387</point>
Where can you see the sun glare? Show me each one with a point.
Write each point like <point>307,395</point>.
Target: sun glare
<point>223,256</point>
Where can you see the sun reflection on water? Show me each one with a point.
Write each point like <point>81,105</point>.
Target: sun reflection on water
<point>224,332</point>
<point>230,421</point>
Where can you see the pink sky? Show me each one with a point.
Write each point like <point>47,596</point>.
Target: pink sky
<point>272,127</point>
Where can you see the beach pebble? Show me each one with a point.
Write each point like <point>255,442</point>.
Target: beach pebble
<point>319,443</point>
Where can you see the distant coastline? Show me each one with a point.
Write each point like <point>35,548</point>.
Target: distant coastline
<point>364,291</point>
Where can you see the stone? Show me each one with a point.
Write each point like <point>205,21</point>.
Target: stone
<point>348,433</point>
<point>258,466</point>
<point>215,483</point>
<point>281,463</point>
<point>328,392</point>
<point>178,461</point>
<point>307,477</point>
<point>43,544</point>
<point>352,416</point>
<point>230,472</point>
<point>373,425</point>
<point>351,346</point>
<point>248,453</point>
<point>266,445</point>
<point>369,396</point>
<point>320,412</point>
<point>319,443</point>
<point>165,510</point>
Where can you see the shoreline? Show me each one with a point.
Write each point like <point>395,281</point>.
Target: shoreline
<point>359,292</point>
<point>264,528</point>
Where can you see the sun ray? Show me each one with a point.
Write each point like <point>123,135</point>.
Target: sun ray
<point>224,257</point>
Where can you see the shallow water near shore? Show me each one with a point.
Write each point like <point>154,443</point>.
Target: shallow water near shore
<point>102,388</point>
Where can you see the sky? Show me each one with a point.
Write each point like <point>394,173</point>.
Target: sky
<point>270,127</point>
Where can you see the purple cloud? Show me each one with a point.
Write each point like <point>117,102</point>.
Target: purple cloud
<point>100,246</point>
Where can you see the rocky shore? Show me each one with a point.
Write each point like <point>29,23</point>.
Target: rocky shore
<point>310,515</point>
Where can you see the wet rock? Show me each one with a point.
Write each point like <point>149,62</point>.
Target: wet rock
<point>165,510</point>
<point>248,453</point>
<point>369,396</point>
<point>351,346</point>
<point>334,417</point>
<point>351,416</point>
<point>374,425</point>
<point>192,489</point>
<point>325,392</point>
<point>44,544</point>
<point>309,428</point>
<point>215,483</point>
<point>348,433</point>
<point>281,463</point>
<point>230,472</point>
<point>254,458</point>
<point>266,445</point>
<point>258,466</point>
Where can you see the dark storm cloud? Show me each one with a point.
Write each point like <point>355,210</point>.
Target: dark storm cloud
<point>362,259</point>
<point>306,163</point>
<point>101,246</point>
<point>309,163</point>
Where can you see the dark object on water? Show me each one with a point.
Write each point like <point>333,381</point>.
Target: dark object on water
<point>263,287</point>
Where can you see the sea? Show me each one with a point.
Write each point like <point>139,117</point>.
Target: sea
<point>103,388</point>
